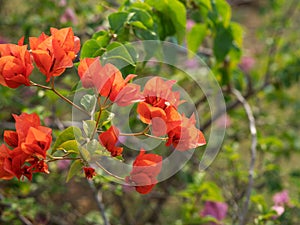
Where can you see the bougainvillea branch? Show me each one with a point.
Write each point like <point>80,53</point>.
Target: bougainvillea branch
<point>252,128</point>
<point>157,107</point>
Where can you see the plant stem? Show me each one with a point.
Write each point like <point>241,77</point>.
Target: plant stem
<point>98,118</point>
<point>109,173</point>
<point>61,96</point>
<point>253,132</point>
<point>61,158</point>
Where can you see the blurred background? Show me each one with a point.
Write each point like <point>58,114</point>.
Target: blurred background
<point>270,51</point>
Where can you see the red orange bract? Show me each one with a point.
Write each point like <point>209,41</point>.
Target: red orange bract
<point>53,54</point>
<point>15,65</point>
<point>29,144</point>
<point>109,140</point>
<point>146,168</point>
<point>109,82</point>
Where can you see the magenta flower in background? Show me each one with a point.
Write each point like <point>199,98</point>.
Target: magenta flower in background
<point>192,63</point>
<point>279,210</point>
<point>63,164</point>
<point>281,198</point>
<point>223,120</point>
<point>189,24</point>
<point>247,64</point>
<point>217,210</point>
<point>62,3</point>
<point>69,16</point>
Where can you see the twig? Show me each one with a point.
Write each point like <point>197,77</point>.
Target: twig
<point>109,173</point>
<point>253,132</point>
<point>60,95</point>
<point>99,202</point>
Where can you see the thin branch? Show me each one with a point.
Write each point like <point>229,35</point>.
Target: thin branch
<point>109,173</point>
<point>253,132</point>
<point>61,96</point>
<point>98,199</point>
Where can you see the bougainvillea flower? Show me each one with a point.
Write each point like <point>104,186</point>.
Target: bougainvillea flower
<point>146,168</point>
<point>279,210</point>
<point>109,82</point>
<point>186,136</point>
<point>16,162</point>
<point>160,106</point>
<point>162,120</point>
<point>11,138</point>
<point>15,65</point>
<point>88,68</point>
<point>89,172</point>
<point>30,142</point>
<point>32,137</point>
<point>53,54</point>
<point>129,94</point>
<point>109,139</point>
<point>217,210</point>
<point>37,141</point>
<point>5,162</point>
<point>158,93</point>
<point>281,198</point>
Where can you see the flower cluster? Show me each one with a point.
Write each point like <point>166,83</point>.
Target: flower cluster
<point>216,210</point>
<point>281,200</point>
<point>25,152</point>
<point>146,168</point>
<point>157,107</point>
<point>51,54</point>
<point>160,110</point>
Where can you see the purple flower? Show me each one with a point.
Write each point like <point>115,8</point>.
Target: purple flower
<point>192,63</point>
<point>69,16</point>
<point>247,64</point>
<point>281,198</point>
<point>279,210</point>
<point>189,24</point>
<point>216,210</point>
<point>63,164</point>
<point>62,3</point>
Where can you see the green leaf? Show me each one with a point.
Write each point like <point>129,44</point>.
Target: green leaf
<point>221,12</point>
<point>237,44</point>
<point>211,192</point>
<point>102,37</point>
<point>175,11</point>
<point>94,146</point>
<point>204,4</point>
<point>117,20</point>
<point>75,168</point>
<point>142,17</point>
<point>71,146</point>
<point>88,102</point>
<point>141,5</point>
<point>138,24</point>
<point>122,56</point>
<point>92,48</point>
<point>145,34</point>
<point>222,43</point>
<point>71,133</point>
<point>86,156</point>
<point>105,117</point>
<point>89,127</point>
<point>195,37</point>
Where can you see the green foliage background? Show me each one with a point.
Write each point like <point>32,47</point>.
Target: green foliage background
<point>224,36</point>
